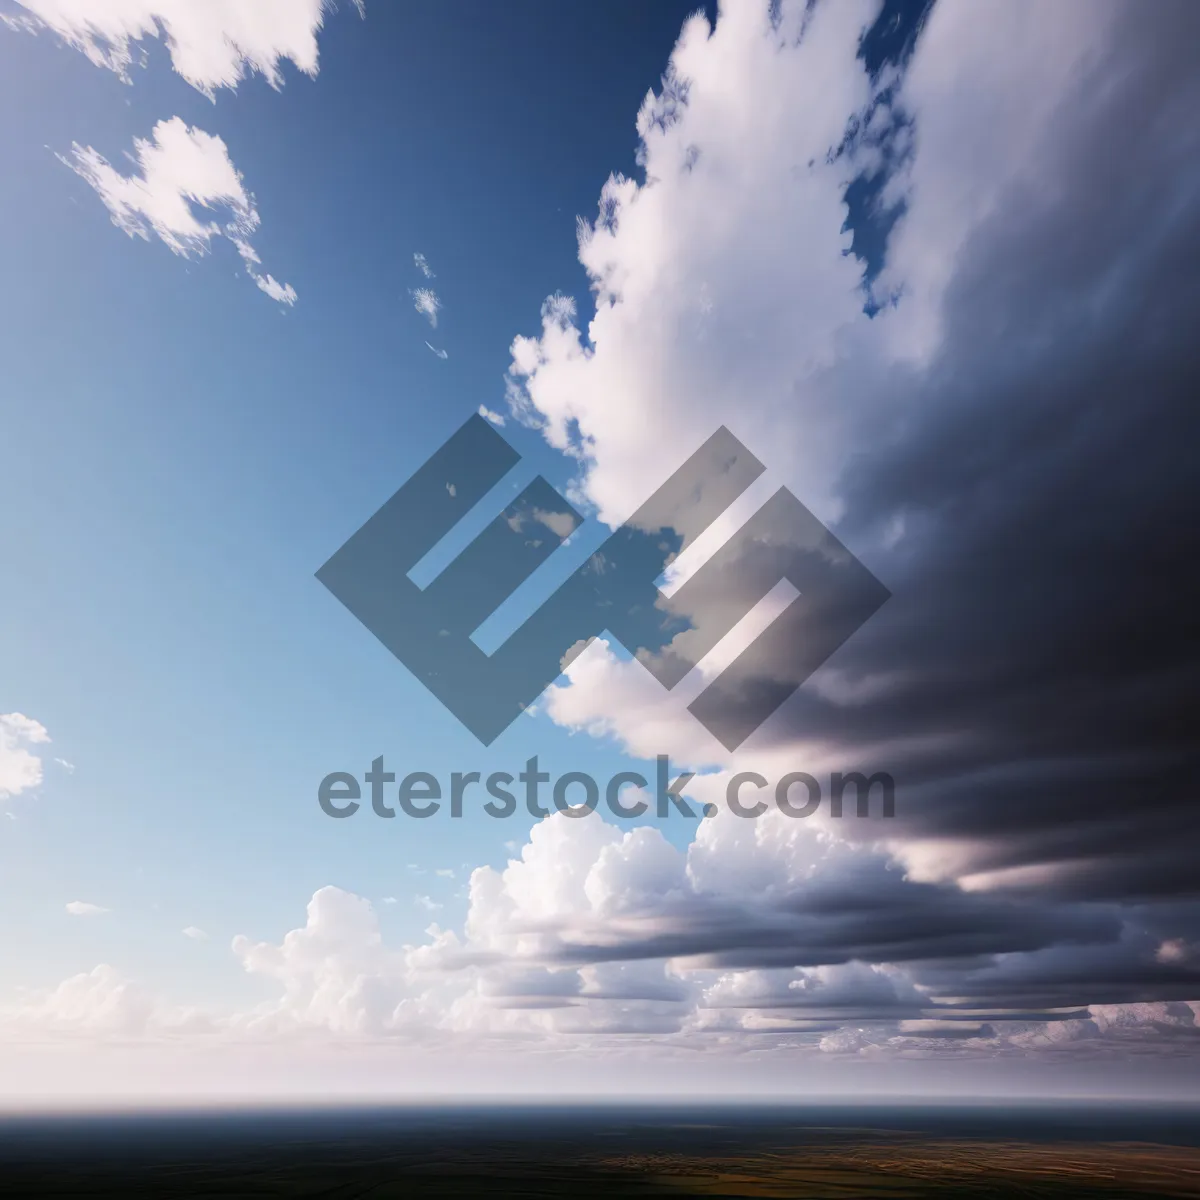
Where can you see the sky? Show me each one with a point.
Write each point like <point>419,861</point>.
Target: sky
<point>934,266</point>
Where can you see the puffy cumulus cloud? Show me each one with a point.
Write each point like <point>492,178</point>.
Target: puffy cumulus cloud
<point>848,991</point>
<point>607,694</point>
<point>98,1003</point>
<point>334,971</point>
<point>593,937</point>
<point>20,766</point>
<point>723,290</point>
<point>769,915</point>
<point>184,176</point>
<point>212,45</point>
<point>989,400</point>
<point>766,928</point>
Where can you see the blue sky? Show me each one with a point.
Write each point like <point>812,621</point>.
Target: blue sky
<point>841,256</point>
<point>206,451</point>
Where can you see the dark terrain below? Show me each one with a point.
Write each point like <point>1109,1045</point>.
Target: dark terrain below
<point>826,1151</point>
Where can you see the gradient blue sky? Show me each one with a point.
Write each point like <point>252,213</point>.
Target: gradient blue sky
<point>196,453</point>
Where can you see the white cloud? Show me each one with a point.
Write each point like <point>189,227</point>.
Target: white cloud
<point>745,892</point>
<point>335,972</point>
<point>98,1000</point>
<point>595,932</point>
<point>184,176</point>
<point>425,301</point>
<point>213,44</point>
<point>422,265</point>
<point>488,415</point>
<point>101,1003</point>
<point>20,768</point>
<point>282,293</point>
<point>81,908</point>
<point>442,354</point>
<point>723,293</point>
<point>195,933</point>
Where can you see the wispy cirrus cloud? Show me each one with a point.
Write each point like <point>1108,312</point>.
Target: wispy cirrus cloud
<point>426,302</point>
<point>212,44</point>
<point>184,176</point>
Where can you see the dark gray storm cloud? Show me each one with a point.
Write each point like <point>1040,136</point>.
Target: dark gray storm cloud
<point>1042,641</point>
<point>862,909</point>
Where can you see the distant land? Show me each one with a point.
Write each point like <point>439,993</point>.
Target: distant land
<point>532,1150</point>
